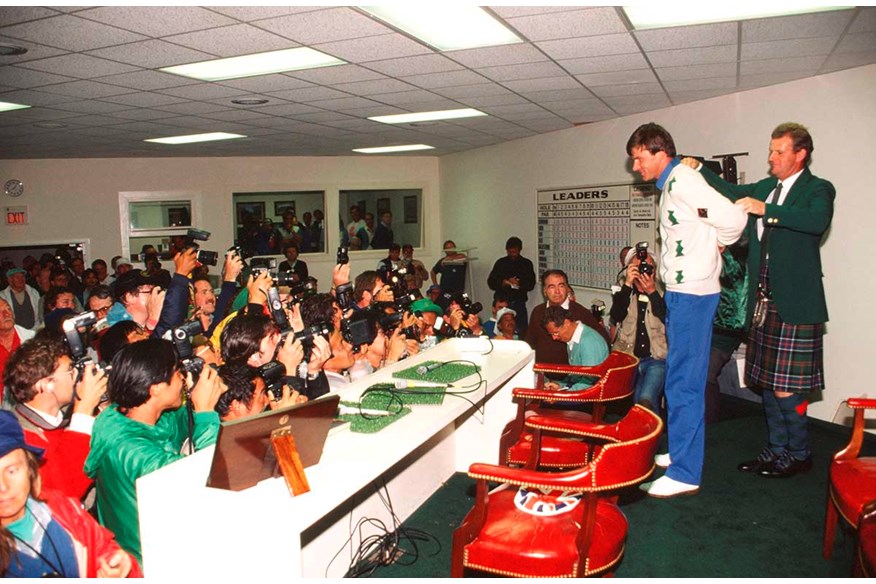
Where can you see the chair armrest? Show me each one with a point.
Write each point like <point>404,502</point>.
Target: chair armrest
<point>572,427</point>
<point>592,393</point>
<point>595,370</point>
<point>861,403</point>
<point>576,480</point>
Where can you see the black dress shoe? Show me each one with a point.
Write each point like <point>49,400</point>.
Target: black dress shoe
<point>764,460</point>
<point>786,466</point>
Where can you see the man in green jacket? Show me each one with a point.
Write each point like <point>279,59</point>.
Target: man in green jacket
<point>145,429</point>
<point>788,215</point>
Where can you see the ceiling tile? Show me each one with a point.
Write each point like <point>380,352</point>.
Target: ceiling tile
<point>847,60</point>
<point>405,97</point>
<point>697,71</point>
<point>34,98</point>
<point>446,79</point>
<point>250,13</point>
<point>86,89</point>
<point>77,65</point>
<point>14,76</point>
<point>265,83</point>
<point>325,26</point>
<point>522,71</point>
<point>514,11</point>
<point>375,48</point>
<point>857,42</point>
<point>762,79</point>
<point>520,108</point>
<point>591,105</point>
<point>476,90</point>
<point>700,84</point>
<point>637,103</point>
<point>787,48</point>
<point>34,51</point>
<point>799,26</point>
<point>91,106</point>
<point>374,87</point>
<point>378,109</point>
<point>604,64</point>
<point>203,91</point>
<point>627,89</point>
<point>144,99</point>
<point>548,83</point>
<point>336,74</point>
<point>540,96</point>
<point>231,41</point>
<point>610,44</point>
<point>486,100</point>
<point>147,80</point>
<point>576,23</point>
<point>152,54</point>
<point>15,14</point>
<point>702,55</point>
<point>687,37</point>
<point>170,20</point>
<point>780,65</point>
<point>620,77</point>
<point>865,21</point>
<point>501,55</point>
<point>71,33</point>
<point>346,103</point>
<point>287,109</point>
<point>417,65</point>
<point>309,94</point>
<point>141,114</point>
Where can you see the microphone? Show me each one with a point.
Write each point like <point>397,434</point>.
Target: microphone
<point>424,369</point>
<point>404,384</point>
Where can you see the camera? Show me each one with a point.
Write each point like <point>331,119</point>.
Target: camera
<point>260,265</point>
<point>207,258</point>
<point>301,291</point>
<point>642,256</point>
<point>468,307</point>
<point>307,336</point>
<point>344,296</point>
<point>343,255</point>
<point>181,337</point>
<point>360,329</point>
<point>75,341</point>
<point>273,374</point>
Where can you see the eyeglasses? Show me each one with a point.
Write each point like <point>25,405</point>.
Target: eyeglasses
<point>71,372</point>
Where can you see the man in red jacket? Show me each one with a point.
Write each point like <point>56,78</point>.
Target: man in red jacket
<point>41,381</point>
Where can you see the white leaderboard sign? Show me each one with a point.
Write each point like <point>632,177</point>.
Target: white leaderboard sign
<point>581,230</point>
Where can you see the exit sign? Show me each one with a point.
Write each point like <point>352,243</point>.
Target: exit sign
<point>16,215</point>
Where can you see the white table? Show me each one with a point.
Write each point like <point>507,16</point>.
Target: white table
<point>188,529</point>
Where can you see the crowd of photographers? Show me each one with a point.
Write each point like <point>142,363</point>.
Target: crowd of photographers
<point>116,375</point>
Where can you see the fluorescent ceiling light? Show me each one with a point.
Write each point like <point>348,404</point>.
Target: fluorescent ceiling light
<point>428,116</point>
<point>195,138</point>
<point>659,15</point>
<point>446,27</point>
<point>402,148</point>
<point>257,64</point>
<point>6,106</point>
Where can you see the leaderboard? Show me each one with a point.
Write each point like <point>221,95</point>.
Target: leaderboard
<point>581,230</point>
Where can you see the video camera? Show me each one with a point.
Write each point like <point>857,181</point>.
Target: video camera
<point>76,342</point>
<point>306,336</point>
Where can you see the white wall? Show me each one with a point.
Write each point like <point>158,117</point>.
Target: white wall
<point>490,193</point>
<point>74,200</point>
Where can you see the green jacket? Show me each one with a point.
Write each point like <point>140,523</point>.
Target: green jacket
<point>794,245</point>
<point>122,450</point>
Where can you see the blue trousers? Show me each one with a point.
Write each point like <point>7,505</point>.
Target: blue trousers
<point>689,333</point>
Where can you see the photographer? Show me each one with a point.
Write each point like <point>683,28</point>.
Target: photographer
<point>253,340</point>
<point>248,395</point>
<point>146,429</point>
<point>640,312</point>
<point>41,381</point>
<point>462,314</point>
<point>369,288</point>
<point>205,303</point>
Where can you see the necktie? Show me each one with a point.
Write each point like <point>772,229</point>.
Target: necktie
<point>773,198</point>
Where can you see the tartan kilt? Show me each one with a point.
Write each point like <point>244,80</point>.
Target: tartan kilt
<point>785,357</point>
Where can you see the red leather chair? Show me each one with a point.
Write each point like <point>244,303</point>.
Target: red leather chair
<point>852,481</point>
<point>865,556</point>
<point>616,376</point>
<point>541,531</point>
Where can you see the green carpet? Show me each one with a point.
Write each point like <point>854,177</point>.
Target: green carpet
<point>738,526</point>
